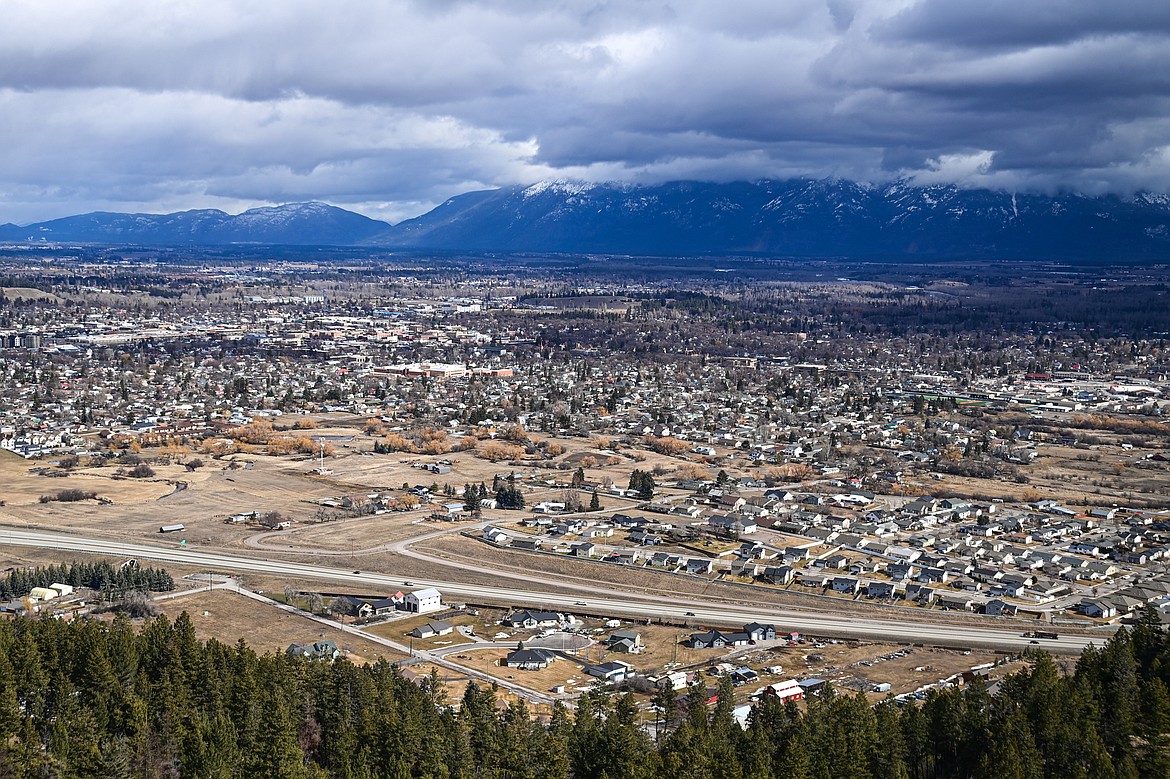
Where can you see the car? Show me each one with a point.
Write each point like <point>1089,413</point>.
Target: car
<point>582,603</point>
<point>408,584</point>
<point>357,571</point>
<point>1033,641</point>
<point>690,613</point>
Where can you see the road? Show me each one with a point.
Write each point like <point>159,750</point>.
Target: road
<point>593,600</point>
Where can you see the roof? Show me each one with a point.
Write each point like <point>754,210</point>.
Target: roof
<point>531,656</point>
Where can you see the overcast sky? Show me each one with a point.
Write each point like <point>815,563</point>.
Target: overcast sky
<point>389,108</point>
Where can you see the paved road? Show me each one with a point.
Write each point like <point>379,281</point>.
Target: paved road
<point>597,600</point>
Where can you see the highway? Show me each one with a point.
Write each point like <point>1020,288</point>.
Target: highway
<point>591,600</point>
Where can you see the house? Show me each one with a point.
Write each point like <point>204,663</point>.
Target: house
<point>744,675</point>
<point>750,551</point>
<point>624,558</point>
<point>836,562</point>
<point>495,535</point>
<point>920,593</point>
<point>901,571</point>
<point>782,574</point>
<point>786,690</point>
<point>612,671</point>
<point>423,601</point>
<point>956,603</point>
<point>375,607</point>
<point>845,584</point>
<point>999,608</point>
<point>880,590</point>
<point>273,521</point>
<point>527,544</point>
<point>530,659</point>
<point>714,639</point>
<point>933,575</point>
<point>1097,609</point>
<point>699,566</point>
<point>432,629</point>
<point>676,680</point>
<point>758,632</point>
<point>318,650</point>
<point>532,619</point>
<point>722,523</point>
<point>626,641</point>
<point>584,549</point>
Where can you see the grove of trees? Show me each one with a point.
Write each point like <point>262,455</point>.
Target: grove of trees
<point>98,699</point>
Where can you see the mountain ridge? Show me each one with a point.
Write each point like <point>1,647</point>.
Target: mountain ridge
<point>798,217</point>
<point>795,217</point>
<point>309,223</point>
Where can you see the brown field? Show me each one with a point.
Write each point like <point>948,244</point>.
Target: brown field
<point>396,630</point>
<point>27,293</point>
<point>1101,475</point>
<point>562,671</point>
<point>455,683</point>
<point>228,617</point>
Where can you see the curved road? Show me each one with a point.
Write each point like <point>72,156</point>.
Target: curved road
<point>598,600</point>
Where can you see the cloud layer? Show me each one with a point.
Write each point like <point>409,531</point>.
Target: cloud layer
<point>389,107</point>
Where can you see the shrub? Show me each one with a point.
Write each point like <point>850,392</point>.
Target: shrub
<point>71,495</point>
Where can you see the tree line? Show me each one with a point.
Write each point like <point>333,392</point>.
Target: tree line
<point>98,699</point>
<point>102,576</point>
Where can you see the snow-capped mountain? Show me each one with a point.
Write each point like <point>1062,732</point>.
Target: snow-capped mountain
<point>302,224</point>
<point>800,217</point>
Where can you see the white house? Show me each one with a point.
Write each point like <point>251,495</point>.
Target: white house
<point>424,601</point>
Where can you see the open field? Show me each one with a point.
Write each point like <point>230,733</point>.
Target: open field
<point>228,617</point>
<point>28,293</point>
<point>1106,475</point>
<point>140,506</point>
<point>561,672</point>
<point>397,630</point>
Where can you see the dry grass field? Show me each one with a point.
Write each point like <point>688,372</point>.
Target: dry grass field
<point>397,630</point>
<point>561,672</point>
<point>1101,476</point>
<point>228,617</point>
<point>455,683</point>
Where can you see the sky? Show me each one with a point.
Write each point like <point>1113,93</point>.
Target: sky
<point>389,107</point>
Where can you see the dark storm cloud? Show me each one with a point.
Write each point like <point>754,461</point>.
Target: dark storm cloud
<point>391,106</point>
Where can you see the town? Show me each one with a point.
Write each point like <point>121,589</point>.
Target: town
<point>814,441</point>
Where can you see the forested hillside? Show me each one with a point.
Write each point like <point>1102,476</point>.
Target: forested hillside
<point>91,699</point>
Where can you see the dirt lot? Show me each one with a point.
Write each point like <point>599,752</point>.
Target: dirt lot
<point>228,617</point>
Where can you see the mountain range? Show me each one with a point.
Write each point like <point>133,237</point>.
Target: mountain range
<point>799,218</point>
<point>317,224</point>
